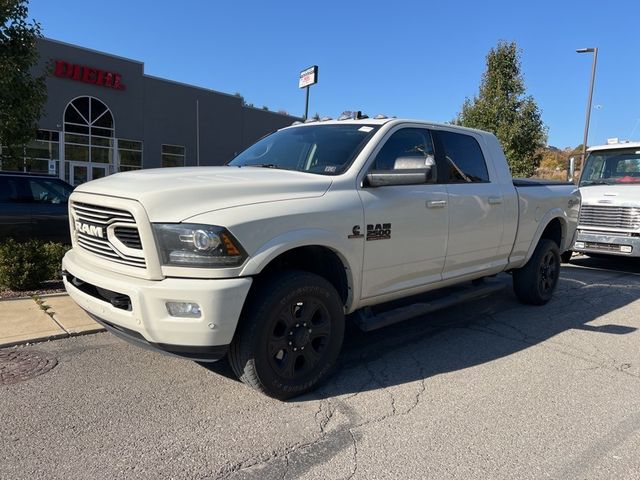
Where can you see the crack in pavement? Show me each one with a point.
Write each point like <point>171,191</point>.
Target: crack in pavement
<point>298,458</point>
<point>355,455</point>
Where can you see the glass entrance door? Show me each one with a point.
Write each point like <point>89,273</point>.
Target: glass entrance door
<point>80,172</point>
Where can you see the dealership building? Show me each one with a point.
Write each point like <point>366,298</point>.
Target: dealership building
<point>104,115</point>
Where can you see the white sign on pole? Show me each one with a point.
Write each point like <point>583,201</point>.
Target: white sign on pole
<point>52,167</point>
<point>308,77</point>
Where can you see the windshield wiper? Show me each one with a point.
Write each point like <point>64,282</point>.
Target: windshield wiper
<point>264,165</point>
<point>594,182</point>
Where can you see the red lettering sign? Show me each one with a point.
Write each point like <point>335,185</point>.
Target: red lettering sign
<point>83,73</point>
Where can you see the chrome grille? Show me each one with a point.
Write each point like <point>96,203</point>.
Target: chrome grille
<point>101,218</point>
<point>609,216</point>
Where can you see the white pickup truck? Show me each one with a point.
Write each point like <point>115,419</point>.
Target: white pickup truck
<point>264,259</point>
<point>610,213</point>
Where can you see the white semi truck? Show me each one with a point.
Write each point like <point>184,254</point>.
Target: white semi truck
<point>265,259</point>
<point>610,213</point>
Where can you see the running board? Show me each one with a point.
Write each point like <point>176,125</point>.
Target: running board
<point>369,320</point>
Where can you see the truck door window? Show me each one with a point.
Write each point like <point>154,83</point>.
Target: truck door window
<point>12,190</point>
<point>464,158</point>
<point>45,190</point>
<point>405,148</point>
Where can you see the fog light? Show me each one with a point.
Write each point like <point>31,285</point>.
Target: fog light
<point>578,245</point>
<point>183,309</point>
<point>626,248</point>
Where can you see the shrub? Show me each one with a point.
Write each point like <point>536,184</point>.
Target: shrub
<point>24,265</point>
<point>53,257</point>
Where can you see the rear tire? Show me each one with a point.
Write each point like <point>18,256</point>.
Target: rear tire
<point>535,283</point>
<point>290,335</point>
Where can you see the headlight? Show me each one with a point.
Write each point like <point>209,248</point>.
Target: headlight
<point>193,245</point>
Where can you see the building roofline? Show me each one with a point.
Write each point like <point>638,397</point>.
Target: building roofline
<point>197,87</point>
<point>100,52</point>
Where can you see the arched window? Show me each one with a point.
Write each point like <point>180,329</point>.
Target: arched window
<point>89,129</point>
<point>88,116</point>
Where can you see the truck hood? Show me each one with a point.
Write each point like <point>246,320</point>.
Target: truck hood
<point>175,194</point>
<point>618,195</point>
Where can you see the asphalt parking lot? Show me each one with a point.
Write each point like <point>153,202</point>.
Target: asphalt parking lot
<point>491,389</point>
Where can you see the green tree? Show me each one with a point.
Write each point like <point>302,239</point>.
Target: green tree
<point>22,97</point>
<point>502,108</point>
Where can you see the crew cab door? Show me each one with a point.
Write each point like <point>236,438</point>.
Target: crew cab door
<point>476,205</point>
<point>405,226</point>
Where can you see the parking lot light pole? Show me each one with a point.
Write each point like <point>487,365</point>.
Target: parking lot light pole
<point>593,50</point>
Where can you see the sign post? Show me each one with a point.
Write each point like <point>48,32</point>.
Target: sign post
<point>308,77</point>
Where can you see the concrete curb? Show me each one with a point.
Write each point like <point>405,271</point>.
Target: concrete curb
<point>22,320</point>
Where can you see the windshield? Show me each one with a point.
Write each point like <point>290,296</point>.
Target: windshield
<point>612,167</point>
<point>322,149</point>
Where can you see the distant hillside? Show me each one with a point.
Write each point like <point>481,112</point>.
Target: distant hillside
<point>555,162</point>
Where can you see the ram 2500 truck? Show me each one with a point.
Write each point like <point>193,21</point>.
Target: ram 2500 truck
<point>264,259</point>
<point>610,213</point>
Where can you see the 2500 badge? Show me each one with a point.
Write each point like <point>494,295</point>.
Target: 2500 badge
<point>379,231</point>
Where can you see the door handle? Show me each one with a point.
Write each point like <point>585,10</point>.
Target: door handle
<point>495,200</point>
<point>436,204</point>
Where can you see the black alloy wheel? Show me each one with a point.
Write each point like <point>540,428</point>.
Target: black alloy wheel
<point>548,274</point>
<point>299,337</point>
<point>536,281</point>
<point>290,334</point>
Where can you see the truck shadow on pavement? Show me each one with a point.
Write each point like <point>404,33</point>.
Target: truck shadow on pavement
<point>482,331</point>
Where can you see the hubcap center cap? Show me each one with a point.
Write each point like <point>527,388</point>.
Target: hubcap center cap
<point>300,336</point>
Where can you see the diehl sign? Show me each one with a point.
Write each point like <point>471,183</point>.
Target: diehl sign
<point>94,76</point>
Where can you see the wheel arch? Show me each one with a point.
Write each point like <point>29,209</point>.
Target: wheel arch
<point>552,227</point>
<point>320,253</point>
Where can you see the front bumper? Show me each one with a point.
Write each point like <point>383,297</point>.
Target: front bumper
<point>135,308</point>
<point>607,243</point>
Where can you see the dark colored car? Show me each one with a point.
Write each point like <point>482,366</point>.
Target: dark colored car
<point>34,206</point>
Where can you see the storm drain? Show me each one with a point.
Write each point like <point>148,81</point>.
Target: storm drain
<point>20,365</point>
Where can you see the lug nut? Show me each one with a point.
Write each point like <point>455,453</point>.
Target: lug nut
<point>301,348</point>
<point>297,324</point>
<point>290,343</point>
<point>310,330</point>
<point>295,349</point>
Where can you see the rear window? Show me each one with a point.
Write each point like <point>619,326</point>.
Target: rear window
<point>464,158</point>
<point>12,190</point>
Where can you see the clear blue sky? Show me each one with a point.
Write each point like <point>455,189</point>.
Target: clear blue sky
<point>416,59</point>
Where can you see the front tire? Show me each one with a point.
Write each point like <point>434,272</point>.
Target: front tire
<point>535,283</point>
<point>290,335</point>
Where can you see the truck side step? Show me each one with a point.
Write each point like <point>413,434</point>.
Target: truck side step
<point>372,318</point>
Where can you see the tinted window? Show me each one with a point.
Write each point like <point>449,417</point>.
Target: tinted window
<point>405,143</point>
<point>12,190</point>
<point>464,158</point>
<point>44,190</point>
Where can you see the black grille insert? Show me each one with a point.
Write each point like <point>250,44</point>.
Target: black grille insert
<point>118,300</point>
<point>129,236</point>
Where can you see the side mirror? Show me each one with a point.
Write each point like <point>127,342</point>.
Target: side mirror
<point>572,169</point>
<point>406,171</point>
<point>384,178</point>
